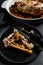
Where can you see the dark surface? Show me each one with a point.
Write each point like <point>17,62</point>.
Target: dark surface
<point>6,20</point>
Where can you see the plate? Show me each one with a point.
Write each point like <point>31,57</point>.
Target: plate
<point>15,55</point>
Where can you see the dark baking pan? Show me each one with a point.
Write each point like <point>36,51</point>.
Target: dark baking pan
<point>15,55</point>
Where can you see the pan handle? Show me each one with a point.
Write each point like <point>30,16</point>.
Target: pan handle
<point>4,4</point>
<point>3,7</point>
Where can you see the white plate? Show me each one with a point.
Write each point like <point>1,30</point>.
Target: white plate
<point>6,4</point>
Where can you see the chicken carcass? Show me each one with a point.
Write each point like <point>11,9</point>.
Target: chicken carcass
<point>16,40</point>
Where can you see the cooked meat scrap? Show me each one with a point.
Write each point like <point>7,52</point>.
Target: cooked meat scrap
<point>32,7</point>
<point>41,16</point>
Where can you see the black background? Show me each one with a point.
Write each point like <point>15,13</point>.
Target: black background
<point>4,21</point>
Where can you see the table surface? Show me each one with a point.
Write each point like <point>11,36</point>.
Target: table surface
<point>38,61</point>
